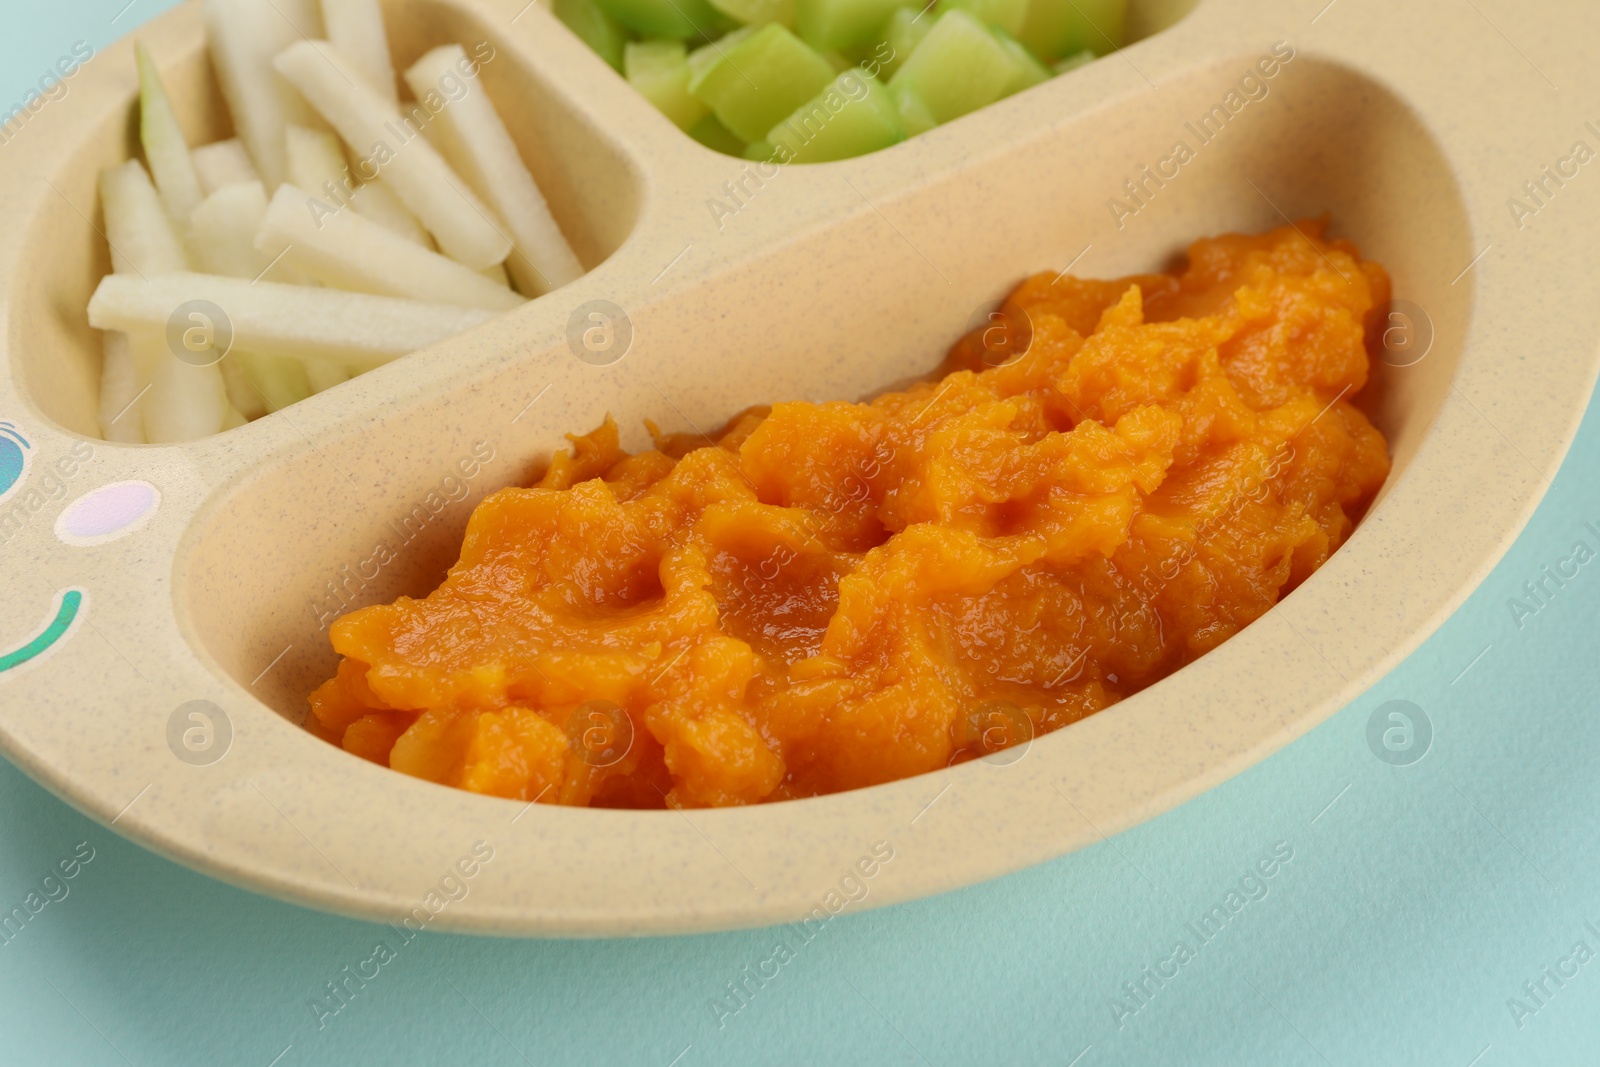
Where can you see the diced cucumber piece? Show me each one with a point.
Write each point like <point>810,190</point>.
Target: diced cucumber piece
<point>710,132</point>
<point>827,24</point>
<point>851,117</point>
<point>702,59</point>
<point>914,113</point>
<point>758,151</point>
<point>959,67</point>
<point>281,381</point>
<point>761,80</point>
<point>668,18</point>
<point>1073,62</point>
<point>757,12</point>
<point>660,71</point>
<point>904,31</point>
<point>1056,28</point>
<point>1027,70</point>
<point>838,61</point>
<point>595,27</point>
<point>1006,14</point>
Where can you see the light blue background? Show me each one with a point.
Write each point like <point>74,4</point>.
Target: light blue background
<point>1414,906</point>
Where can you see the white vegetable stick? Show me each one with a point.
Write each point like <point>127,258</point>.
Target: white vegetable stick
<point>242,395</point>
<point>137,226</point>
<point>355,28</point>
<point>223,163</point>
<point>299,321</point>
<point>120,387</point>
<point>317,165</point>
<point>181,400</point>
<point>478,145</point>
<point>243,36</point>
<point>164,144</point>
<point>465,229</point>
<point>304,15</point>
<point>346,251</point>
<point>186,402</point>
<point>232,417</point>
<point>314,159</point>
<point>377,202</point>
<point>325,375</point>
<point>498,275</point>
<point>223,235</point>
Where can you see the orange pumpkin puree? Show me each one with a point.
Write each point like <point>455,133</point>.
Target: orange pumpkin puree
<point>835,595</point>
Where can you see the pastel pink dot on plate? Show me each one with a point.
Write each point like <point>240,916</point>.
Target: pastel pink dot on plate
<point>107,513</point>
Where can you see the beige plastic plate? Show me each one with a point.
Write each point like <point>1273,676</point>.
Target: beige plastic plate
<point>1411,123</point>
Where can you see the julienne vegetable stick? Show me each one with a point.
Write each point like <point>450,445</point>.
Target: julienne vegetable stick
<point>120,386</point>
<point>281,380</point>
<point>413,169</point>
<point>186,402</point>
<point>137,228</point>
<point>377,201</point>
<point>346,251</point>
<point>223,163</point>
<point>165,147</point>
<point>243,36</point>
<point>317,165</point>
<point>355,28</point>
<point>222,235</point>
<point>325,374</point>
<point>477,144</point>
<point>182,401</point>
<point>336,275</point>
<point>298,321</point>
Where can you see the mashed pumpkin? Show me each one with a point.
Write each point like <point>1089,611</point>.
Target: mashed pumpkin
<point>1109,481</point>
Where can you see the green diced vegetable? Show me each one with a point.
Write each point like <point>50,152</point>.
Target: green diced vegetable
<point>710,132</point>
<point>1006,14</point>
<point>914,113</point>
<point>1073,62</point>
<point>959,67</point>
<point>1027,70</point>
<point>838,61</point>
<point>660,71</point>
<point>595,27</point>
<point>758,151</point>
<point>829,24</point>
<point>851,117</point>
<point>702,59</point>
<point>667,18</point>
<point>905,30</point>
<point>1056,28</point>
<point>761,80</point>
<point>757,12</point>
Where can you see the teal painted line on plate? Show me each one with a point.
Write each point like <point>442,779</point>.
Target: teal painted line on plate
<point>67,604</point>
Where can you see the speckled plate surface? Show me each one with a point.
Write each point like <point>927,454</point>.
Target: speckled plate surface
<point>166,606</point>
